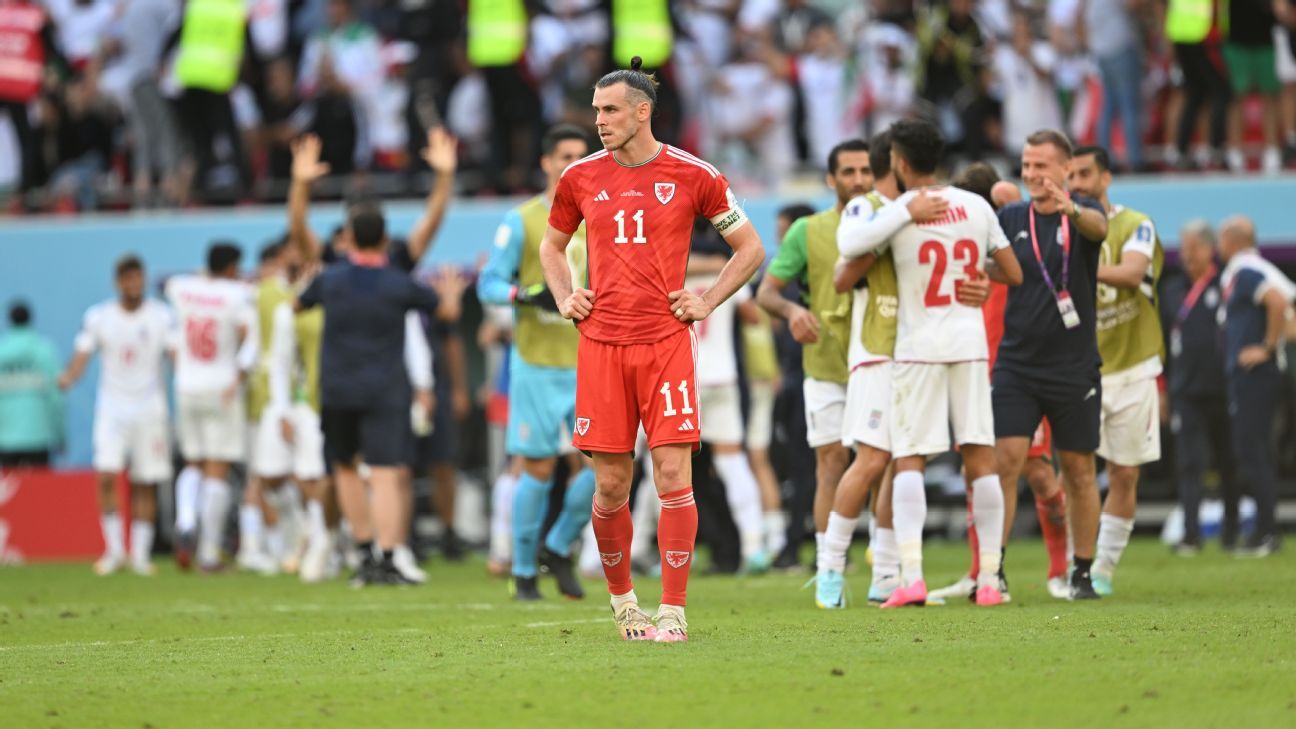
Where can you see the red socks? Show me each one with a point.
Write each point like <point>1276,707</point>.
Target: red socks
<point>676,534</point>
<point>1053,524</point>
<point>613,530</point>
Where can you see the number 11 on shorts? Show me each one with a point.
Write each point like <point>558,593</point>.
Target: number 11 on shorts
<point>670,404</point>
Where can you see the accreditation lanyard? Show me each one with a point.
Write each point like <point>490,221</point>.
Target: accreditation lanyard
<point>1066,307</point>
<point>1198,288</point>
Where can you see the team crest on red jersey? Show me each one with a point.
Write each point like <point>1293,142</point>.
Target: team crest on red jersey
<point>611,559</point>
<point>677,559</point>
<point>665,191</point>
<point>582,426</point>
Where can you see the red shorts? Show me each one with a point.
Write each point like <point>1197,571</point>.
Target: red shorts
<point>619,386</point>
<point>1042,442</point>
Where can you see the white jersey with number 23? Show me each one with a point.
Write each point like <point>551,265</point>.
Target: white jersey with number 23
<point>932,260</point>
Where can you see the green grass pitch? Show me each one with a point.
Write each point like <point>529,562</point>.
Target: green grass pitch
<point>1184,643</point>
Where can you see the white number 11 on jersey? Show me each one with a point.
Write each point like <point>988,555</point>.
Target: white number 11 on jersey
<point>621,233</point>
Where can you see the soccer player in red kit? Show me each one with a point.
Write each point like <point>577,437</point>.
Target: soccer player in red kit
<point>637,356</point>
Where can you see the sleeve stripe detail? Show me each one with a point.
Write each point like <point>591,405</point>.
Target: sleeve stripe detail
<point>686,157</point>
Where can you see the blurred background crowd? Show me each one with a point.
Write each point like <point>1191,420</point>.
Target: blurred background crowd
<point>110,104</point>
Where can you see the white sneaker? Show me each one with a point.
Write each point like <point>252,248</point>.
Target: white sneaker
<point>965,588</point>
<point>1059,588</point>
<point>258,562</point>
<point>1271,162</point>
<point>143,569</point>
<point>314,565</point>
<point>403,560</point>
<point>108,564</point>
<point>1236,160</point>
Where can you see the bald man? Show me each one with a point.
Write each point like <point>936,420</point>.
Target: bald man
<point>1257,298</point>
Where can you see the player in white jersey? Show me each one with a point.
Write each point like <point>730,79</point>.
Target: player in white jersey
<point>721,416</point>
<point>940,377</point>
<point>216,347</point>
<point>133,337</point>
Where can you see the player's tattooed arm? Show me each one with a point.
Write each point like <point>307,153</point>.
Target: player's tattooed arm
<point>575,304</point>
<point>850,271</point>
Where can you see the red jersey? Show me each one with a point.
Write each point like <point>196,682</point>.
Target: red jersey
<point>993,311</point>
<point>638,230</point>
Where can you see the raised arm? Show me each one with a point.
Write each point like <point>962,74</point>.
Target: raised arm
<point>306,169</point>
<point>441,154</point>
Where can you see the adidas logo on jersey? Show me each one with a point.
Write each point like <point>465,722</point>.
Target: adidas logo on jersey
<point>601,196</point>
<point>687,426</point>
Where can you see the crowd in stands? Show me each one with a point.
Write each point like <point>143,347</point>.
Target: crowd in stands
<point>135,104</point>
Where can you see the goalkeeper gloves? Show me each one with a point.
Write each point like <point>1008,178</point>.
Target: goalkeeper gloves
<point>537,295</point>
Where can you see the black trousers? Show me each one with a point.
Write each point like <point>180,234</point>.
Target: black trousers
<point>1204,79</point>
<point>204,116</point>
<point>1201,436</point>
<point>1253,403</point>
<point>24,459</point>
<point>27,143</point>
<point>794,464</point>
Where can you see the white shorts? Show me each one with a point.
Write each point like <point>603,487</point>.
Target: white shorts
<point>211,429</point>
<point>1284,61</point>
<point>825,403</point>
<point>868,407</point>
<point>721,415</point>
<point>1130,430</point>
<point>760,418</point>
<point>303,458</point>
<point>930,399</point>
<point>140,439</point>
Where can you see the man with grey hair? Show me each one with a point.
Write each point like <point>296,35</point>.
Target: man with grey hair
<point>1196,384</point>
<point>1257,299</point>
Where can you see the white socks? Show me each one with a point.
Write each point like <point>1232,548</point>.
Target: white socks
<point>186,494</point>
<point>216,502</point>
<point>775,532</point>
<point>886,554</point>
<point>501,524</point>
<point>619,601</point>
<point>988,516</point>
<point>909,507</point>
<point>837,540</point>
<point>1113,536</point>
<point>743,495</point>
<point>111,525</point>
<point>141,542</point>
<point>251,527</point>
